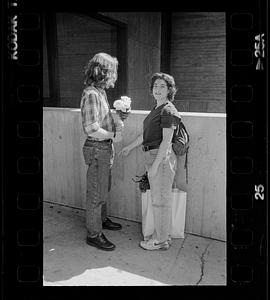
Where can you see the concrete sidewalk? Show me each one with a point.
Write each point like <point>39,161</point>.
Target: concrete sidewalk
<point>69,261</point>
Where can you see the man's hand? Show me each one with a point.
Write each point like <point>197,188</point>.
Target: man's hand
<point>123,115</point>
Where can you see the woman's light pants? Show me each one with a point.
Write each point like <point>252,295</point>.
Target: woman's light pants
<point>161,192</point>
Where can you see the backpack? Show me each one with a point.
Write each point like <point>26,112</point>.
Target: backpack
<point>180,143</point>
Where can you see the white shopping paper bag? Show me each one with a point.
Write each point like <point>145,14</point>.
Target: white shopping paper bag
<point>178,214</point>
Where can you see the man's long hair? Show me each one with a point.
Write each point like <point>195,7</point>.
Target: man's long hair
<point>101,70</point>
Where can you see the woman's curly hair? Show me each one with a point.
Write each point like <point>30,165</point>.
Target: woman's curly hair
<point>169,81</point>
<point>100,70</point>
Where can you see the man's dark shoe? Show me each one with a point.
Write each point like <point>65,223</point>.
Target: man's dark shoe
<point>100,242</point>
<point>110,225</point>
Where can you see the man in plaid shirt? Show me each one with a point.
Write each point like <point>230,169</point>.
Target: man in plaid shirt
<point>101,130</point>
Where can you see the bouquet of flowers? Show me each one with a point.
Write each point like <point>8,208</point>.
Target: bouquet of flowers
<point>121,106</point>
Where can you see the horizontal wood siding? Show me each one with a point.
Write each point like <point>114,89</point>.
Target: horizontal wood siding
<point>79,39</point>
<point>143,51</point>
<point>198,60</point>
<point>46,93</point>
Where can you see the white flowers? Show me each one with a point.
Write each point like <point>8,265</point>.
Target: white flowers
<point>123,104</point>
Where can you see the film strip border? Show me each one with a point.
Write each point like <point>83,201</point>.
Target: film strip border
<point>22,148</point>
<point>246,151</point>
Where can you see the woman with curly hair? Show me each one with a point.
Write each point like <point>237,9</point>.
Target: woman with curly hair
<point>101,131</point>
<point>159,157</point>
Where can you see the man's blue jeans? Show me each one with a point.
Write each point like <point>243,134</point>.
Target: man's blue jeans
<point>99,158</point>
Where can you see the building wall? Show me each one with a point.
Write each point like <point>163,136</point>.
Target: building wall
<point>64,171</point>
<point>198,60</point>
<point>45,78</point>
<point>144,34</point>
<point>79,38</point>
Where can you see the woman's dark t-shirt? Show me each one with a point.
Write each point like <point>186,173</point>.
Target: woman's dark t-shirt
<point>164,116</point>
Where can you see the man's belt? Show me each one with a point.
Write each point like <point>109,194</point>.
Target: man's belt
<point>147,148</point>
<point>94,140</point>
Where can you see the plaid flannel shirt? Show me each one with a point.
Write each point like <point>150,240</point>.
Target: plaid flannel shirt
<point>95,111</point>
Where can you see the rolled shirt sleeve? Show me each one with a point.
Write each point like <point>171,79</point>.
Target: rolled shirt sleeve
<point>89,110</point>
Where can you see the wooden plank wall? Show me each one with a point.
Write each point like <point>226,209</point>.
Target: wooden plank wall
<point>198,60</point>
<point>79,38</point>
<point>144,32</point>
<point>197,56</point>
<point>46,92</point>
<point>65,171</point>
